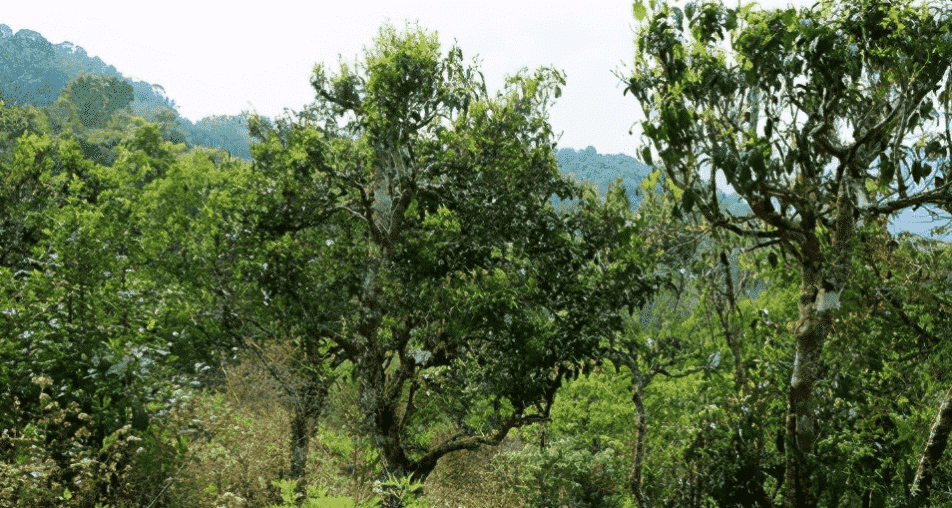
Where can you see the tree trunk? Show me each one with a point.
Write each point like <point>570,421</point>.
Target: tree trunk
<point>938,440</point>
<point>634,484</point>
<point>300,441</point>
<point>379,403</point>
<point>812,329</point>
<point>307,407</point>
<point>822,284</point>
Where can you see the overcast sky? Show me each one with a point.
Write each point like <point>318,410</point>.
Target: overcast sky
<point>223,58</point>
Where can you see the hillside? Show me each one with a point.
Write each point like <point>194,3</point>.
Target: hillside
<point>391,313</point>
<point>603,169</point>
<point>35,71</point>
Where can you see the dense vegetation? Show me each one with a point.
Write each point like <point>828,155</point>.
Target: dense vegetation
<point>34,72</point>
<point>406,296</point>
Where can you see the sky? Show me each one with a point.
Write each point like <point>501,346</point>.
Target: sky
<point>217,58</point>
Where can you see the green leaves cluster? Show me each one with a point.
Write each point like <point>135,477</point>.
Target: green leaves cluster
<point>421,206</point>
<point>95,98</point>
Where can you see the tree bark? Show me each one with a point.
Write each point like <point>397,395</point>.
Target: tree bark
<point>300,441</point>
<point>935,446</point>
<point>634,484</point>
<point>823,281</point>
<point>307,407</point>
<point>811,330</point>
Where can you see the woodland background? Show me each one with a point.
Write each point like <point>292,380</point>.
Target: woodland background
<point>405,294</point>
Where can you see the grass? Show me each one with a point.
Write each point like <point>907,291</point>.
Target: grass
<point>228,447</point>
<point>241,448</point>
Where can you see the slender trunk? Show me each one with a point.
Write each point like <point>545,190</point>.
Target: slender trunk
<point>300,440</point>
<point>634,485</point>
<point>938,440</point>
<point>311,398</point>
<point>812,330</point>
<point>732,338</point>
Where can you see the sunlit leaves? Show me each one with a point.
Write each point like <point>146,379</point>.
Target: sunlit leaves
<point>95,98</point>
<point>639,11</point>
<point>818,117</point>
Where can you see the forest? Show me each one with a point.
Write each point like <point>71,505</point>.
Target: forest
<point>405,294</point>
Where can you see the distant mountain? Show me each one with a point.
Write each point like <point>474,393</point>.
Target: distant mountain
<point>602,170</point>
<point>33,71</point>
<point>589,166</point>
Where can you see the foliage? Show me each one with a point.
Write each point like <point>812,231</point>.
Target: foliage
<point>316,498</point>
<point>86,310</point>
<point>127,468</point>
<point>419,206</point>
<point>595,408</point>
<point>583,462</point>
<point>390,278</point>
<point>229,133</point>
<point>569,471</point>
<point>96,98</point>
<point>820,119</point>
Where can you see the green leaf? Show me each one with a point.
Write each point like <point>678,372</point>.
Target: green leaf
<point>688,199</point>
<point>646,155</point>
<point>651,180</point>
<point>639,11</point>
<point>887,169</point>
<point>790,19</point>
<point>677,191</point>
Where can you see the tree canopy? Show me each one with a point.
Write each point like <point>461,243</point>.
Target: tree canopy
<point>822,119</point>
<point>419,207</point>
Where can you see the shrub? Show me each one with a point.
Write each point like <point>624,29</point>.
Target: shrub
<point>569,472</point>
<point>48,461</point>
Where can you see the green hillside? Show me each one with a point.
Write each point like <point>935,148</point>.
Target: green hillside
<point>406,296</point>
<point>35,71</point>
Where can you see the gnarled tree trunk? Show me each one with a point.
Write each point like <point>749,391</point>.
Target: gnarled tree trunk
<point>938,440</point>
<point>306,408</point>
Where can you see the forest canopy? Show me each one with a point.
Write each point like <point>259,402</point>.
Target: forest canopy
<point>405,293</point>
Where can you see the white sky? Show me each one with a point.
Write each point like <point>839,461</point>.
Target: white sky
<point>223,57</point>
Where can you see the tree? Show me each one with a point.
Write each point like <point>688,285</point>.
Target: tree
<point>96,98</point>
<point>30,73</point>
<point>172,130</point>
<point>24,192</point>
<point>88,324</point>
<point>405,226</point>
<point>821,119</point>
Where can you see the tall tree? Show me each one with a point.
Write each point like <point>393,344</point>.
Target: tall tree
<point>409,230</point>
<point>821,119</point>
<point>96,98</point>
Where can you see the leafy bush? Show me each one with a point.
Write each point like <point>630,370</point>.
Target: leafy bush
<point>397,493</point>
<point>49,461</point>
<point>316,498</point>
<point>569,472</point>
